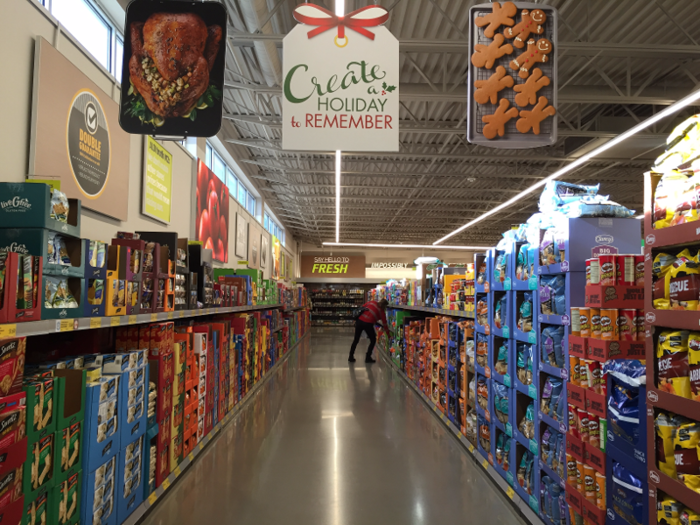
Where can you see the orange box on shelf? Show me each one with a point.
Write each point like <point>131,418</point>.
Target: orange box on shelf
<point>619,296</point>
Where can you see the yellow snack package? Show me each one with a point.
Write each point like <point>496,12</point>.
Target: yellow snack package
<point>665,429</point>
<point>669,192</point>
<point>694,365</point>
<point>689,517</point>
<point>669,510</point>
<point>673,370</point>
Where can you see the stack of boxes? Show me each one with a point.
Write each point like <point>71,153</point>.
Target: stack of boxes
<point>609,327</point>
<point>50,255</point>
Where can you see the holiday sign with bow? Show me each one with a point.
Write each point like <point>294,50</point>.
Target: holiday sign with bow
<point>341,82</point>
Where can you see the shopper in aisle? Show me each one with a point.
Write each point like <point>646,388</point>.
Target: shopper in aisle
<point>374,313</point>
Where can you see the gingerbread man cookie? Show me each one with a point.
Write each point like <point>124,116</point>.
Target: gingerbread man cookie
<point>532,22</point>
<point>530,120</point>
<point>536,52</point>
<point>527,92</point>
<point>499,16</point>
<point>486,56</point>
<point>496,123</point>
<point>487,90</point>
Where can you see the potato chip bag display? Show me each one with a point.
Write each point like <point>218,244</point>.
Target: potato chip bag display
<point>501,364</point>
<point>482,394</point>
<point>684,282</point>
<point>686,440</point>
<point>681,146</point>
<point>524,363</point>
<point>668,194</point>
<point>525,313</point>
<point>687,205</point>
<point>527,423</point>
<point>665,429</point>
<point>694,364</point>
<point>672,362</point>
<point>689,517</point>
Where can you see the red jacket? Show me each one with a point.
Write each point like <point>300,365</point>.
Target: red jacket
<point>373,313</point>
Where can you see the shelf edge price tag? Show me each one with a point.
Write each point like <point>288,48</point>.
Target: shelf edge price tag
<point>115,321</point>
<point>170,315</point>
<point>176,471</point>
<point>8,330</point>
<point>166,484</point>
<point>485,464</point>
<point>154,318</point>
<point>190,456</point>
<point>95,322</point>
<point>132,319</point>
<point>152,498</point>
<point>65,325</point>
<point>510,492</point>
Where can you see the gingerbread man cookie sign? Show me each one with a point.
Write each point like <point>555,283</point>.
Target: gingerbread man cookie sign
<point>499,16</point>
<point>532,22</point>
<point>486,56</point>
<point>496,123</point>
<point>527,92</point>
<point>530,120</point>
<point>536,53</point>
<point>487,90</point>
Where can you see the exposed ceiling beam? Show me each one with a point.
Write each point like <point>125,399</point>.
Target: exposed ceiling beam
<point>416,45</point>
<point>587,94</point>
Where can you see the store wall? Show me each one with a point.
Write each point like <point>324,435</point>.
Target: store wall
<point>22,21</point>
<point>391,255</point>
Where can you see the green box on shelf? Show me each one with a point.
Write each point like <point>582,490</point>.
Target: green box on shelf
<point>41,408</point>
<point>68,451</point>
<point>66,492</point>
<point>75,286</point>
<point>28,205</point>
<point>35,241</point>
<point>70,396</point>
<point>42,508</point>
<point>40,468</point>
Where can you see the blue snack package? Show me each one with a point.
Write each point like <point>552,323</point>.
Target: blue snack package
<point>627,495</point>
<point>557,387</point>
<point>623,412</point>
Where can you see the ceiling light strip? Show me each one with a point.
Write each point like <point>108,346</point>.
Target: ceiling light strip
<point>337,196</point>
<point>670,110</point>
<point>406,246</point>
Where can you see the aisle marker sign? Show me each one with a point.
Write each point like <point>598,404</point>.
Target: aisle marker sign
<point>341,82</point>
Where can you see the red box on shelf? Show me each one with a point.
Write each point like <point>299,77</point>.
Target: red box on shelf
<point>576,395</point>
<point>578,346</point>
<point>593,514</point>
<point>600,350</point>
<point>574,499</point>
<point>594,457</point>
<point>12,514</point>
<point>619,296</point>
<point>596,404</point>
<point>9,313</point>
<point>574,446</point>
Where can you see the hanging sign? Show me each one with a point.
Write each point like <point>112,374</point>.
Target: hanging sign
<point>173,68</point>
<point>341,82</point>
<point>157,182</point>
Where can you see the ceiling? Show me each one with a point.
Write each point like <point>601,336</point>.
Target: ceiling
<point>619,62</point>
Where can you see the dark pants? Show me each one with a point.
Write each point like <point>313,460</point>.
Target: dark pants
<point>368,328</point>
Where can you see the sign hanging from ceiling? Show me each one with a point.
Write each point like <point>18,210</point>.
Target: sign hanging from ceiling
<point>173,68</point>
<point>341,82</point>
<point>332,266</point>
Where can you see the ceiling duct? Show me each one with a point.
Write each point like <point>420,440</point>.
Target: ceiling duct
<point>255,12</point>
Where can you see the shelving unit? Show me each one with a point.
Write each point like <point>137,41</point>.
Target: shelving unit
<point>332,304</point>
<point>671,240</point>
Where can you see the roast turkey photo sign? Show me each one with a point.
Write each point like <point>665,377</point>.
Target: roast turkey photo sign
<point>173,68</point>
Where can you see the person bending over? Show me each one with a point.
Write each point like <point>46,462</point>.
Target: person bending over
<point>374,314</point>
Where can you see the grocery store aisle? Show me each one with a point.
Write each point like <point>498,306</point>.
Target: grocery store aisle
<point>328,443</point>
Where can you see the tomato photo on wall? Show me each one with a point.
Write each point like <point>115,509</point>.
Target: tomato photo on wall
<point>212,223</point>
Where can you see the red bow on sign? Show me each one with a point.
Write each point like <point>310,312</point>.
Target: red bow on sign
<point>313,15</point>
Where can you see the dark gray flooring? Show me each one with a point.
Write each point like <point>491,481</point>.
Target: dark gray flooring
<point>326,443</point>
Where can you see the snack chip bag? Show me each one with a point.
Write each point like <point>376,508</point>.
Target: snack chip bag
<point>669,510</point>
<point>668,194</point>
<point>665,429</point>
<point>59,206</point>
<point>672,362</point>
<point>694,364</point>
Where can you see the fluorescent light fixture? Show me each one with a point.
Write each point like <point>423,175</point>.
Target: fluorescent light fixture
<point>426,260</point>
<point>337,195</point>
<point>405,246</point>
<point>670,110</point>
<point>339,7</point>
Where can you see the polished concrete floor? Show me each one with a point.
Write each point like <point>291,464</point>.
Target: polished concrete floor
<point>328,443</point>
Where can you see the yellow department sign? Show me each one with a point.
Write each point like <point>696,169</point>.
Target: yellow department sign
<point>157,182</point>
